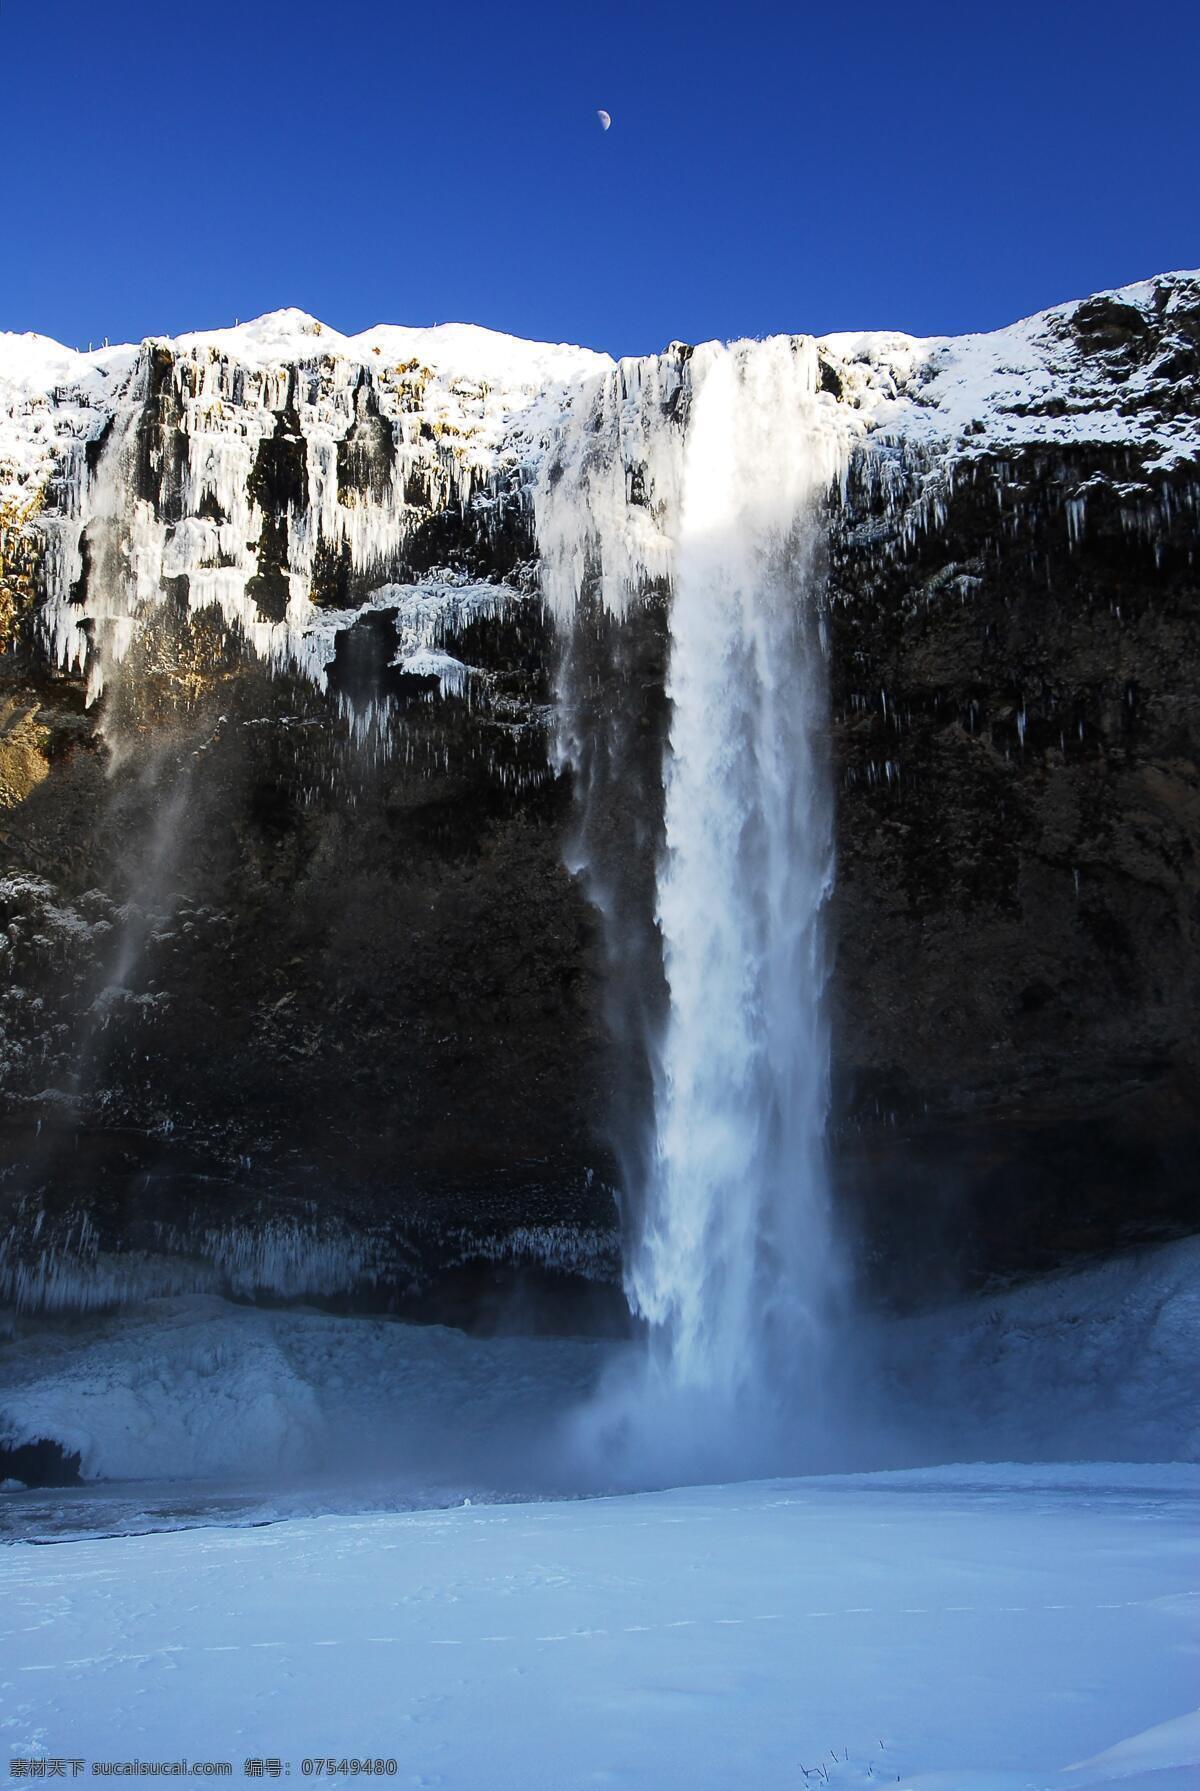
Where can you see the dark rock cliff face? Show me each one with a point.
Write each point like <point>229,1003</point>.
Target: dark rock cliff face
<point>1016,914</point>
<point>274,971</point>
<point>279,977</point>
<point>1015,724</point>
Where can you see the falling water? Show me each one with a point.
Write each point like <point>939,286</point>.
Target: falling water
<point>730,1253</point>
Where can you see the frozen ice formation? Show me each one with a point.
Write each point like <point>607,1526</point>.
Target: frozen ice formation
<point>197,461</point>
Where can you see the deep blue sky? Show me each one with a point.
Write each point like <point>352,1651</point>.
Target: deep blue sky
<point>932,167</point>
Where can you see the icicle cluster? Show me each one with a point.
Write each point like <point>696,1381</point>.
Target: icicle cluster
<point>69,1271</point>
<point>144,473</point>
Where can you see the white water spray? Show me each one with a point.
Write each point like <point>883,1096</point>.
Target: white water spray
<point>730,1252</point>
<point>733,1262</point>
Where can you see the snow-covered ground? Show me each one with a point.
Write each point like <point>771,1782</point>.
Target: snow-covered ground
<point>978,1627</point>
<point>971,1630</point>
<point>1099,1364</point>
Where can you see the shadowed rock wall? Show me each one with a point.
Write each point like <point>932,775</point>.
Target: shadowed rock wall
<point>1015,724</point>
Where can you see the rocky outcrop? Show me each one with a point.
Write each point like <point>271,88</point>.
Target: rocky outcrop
<point>300,996</point>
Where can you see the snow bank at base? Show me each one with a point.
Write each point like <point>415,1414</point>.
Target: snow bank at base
<point>1097,1364</point>
<point>783,1636</point>
<point>1167,1748</point>
<point>198,1387</point>
<point>1094,1365</point>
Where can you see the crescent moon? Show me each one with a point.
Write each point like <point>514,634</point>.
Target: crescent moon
<point>605,119</point>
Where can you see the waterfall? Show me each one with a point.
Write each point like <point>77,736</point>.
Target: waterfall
<point>710,472</point>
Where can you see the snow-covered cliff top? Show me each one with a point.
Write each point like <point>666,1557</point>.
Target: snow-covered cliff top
<point>292,337</point>
<point>479,381</point>
<point>280,471</point>
<point>1101,369</point>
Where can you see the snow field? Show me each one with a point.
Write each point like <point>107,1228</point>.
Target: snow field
<point>973,1631</point>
